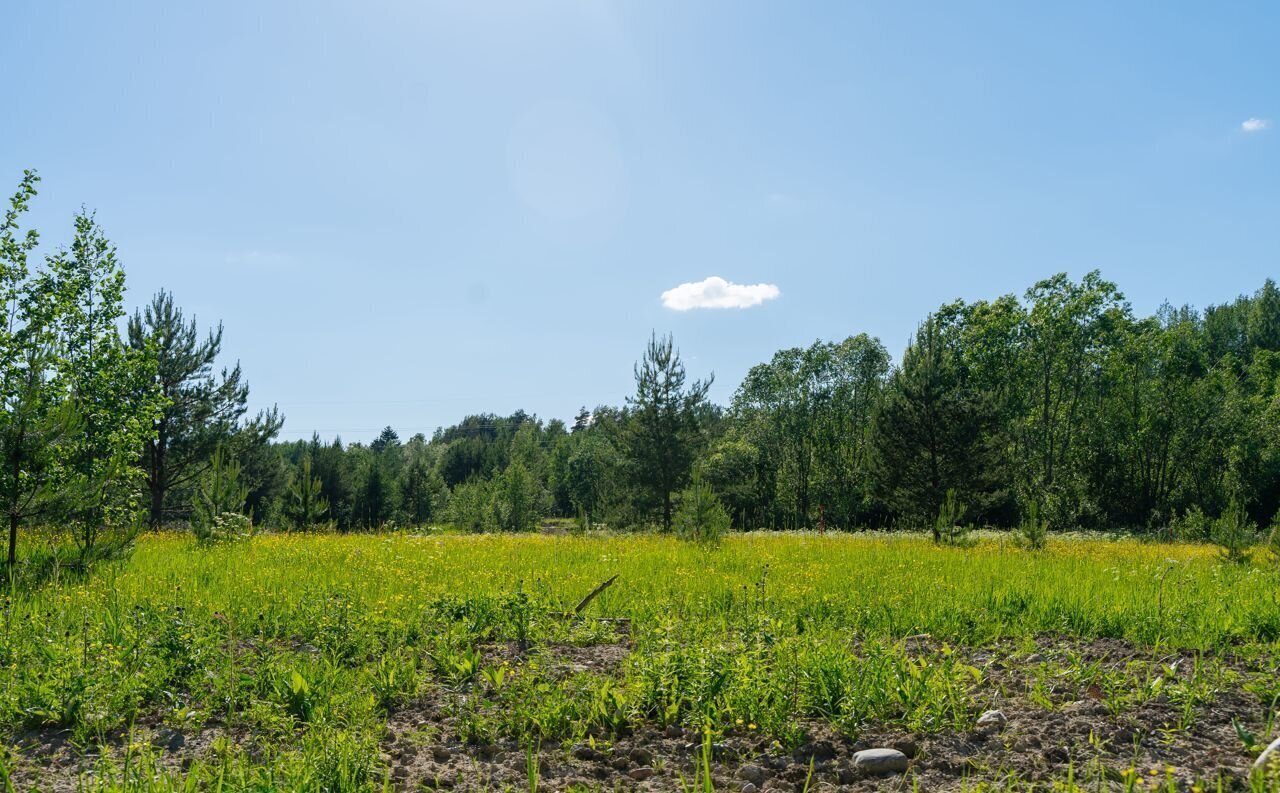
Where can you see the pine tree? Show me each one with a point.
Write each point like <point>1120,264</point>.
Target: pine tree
<point>701,517</point>
<point>219,493</point>
<point>931,432</point>
<point>422,492</point>
<point>387,439</point>
<point>305,506</point>
<point>202,409</point>
<point>663,432</point>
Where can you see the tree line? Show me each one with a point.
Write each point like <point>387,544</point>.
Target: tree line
<point>1061,404</point>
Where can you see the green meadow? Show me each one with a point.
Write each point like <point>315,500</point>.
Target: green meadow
<point>280,663</point>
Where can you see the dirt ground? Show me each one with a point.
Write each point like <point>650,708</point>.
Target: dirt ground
<point>1082,737</point>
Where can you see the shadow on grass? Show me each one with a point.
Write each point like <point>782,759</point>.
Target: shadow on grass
<point>52,565</point>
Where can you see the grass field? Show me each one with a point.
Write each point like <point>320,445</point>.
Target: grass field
<point>401,662</point>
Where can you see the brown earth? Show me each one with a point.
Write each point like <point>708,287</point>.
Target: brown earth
<point>1080,734</point>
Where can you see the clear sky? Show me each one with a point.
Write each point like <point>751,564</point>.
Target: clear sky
<point>407,211</point>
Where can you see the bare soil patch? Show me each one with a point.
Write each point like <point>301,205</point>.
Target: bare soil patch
<point>1079,732</point>
<point>1081,735</point>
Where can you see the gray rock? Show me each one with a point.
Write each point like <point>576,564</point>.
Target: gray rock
<point>641,774</point>
<point>749,788</point>
<point>641,756</point>
<point>991,720</point>
<point>751,773</point>
<point>674,731</point>
<point>880,761</point>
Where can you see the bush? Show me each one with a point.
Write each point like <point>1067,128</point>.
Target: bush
<point>947,529</point>
<point>225,527</point>
<point>1235,535</point>
<point>471,507</point>
<point>1192,525</point>
<point>700,517</point>
<point>1033,530</point>
<point>518,499</point>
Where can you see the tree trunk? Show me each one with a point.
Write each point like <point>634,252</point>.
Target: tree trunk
<point>157,506</point>
<point>13,541</point>
<point>157,476</point>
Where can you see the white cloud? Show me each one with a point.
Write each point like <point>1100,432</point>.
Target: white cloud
<point>715,292</point>
<point>1254,125</point>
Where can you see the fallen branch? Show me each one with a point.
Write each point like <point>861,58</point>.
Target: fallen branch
<point>586,601</point>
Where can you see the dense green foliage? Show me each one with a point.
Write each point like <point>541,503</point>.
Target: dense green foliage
<point>1063,399</point>
<point>78,403</point>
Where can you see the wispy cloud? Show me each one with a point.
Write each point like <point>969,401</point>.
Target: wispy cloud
<point>1254,125</point>
<point>715,292</point>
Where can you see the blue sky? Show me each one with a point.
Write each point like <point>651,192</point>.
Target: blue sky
<point>408,211</point>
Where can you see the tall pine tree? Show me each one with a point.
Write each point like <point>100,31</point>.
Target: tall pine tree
<point>203,408</point>
<point>663,433</point>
